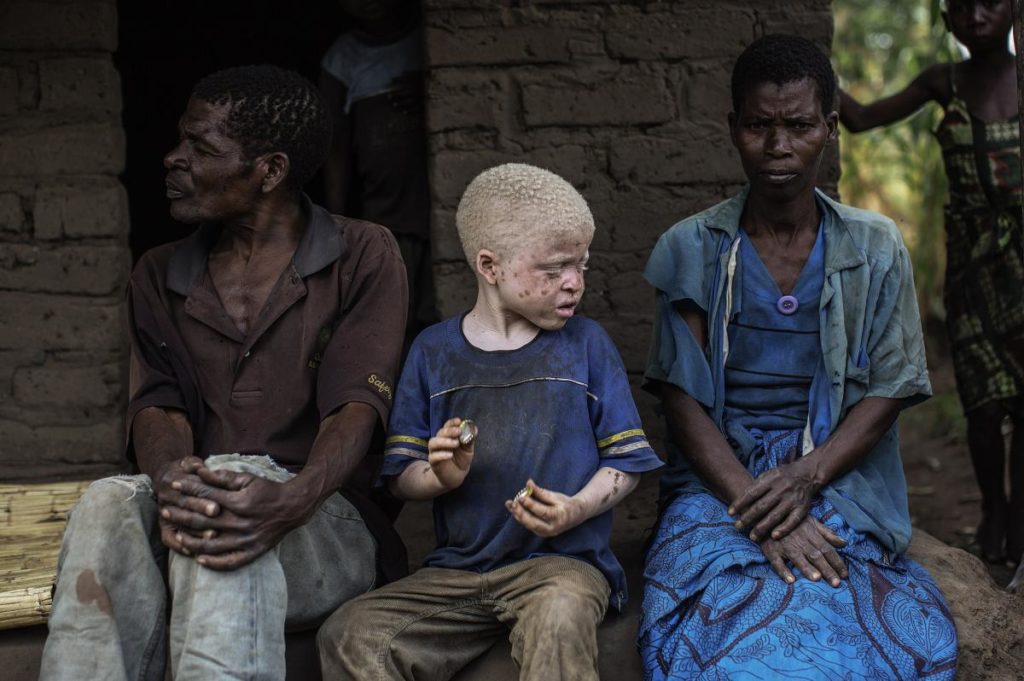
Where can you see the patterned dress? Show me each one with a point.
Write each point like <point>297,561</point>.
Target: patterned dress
<point>984,291</point>
<point>714,608</point>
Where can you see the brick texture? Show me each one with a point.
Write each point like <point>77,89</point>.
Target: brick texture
<point>89,208</point>
<point>628,101</point>
<point>12,217</point>
<point>34,25</point>
<point>52,322</point>
<point>66,149</point>
<point>64,255</point>
<point>89,84</point>
<point>8,91</point>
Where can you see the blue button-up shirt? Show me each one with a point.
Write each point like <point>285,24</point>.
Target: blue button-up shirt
<point>871,342</point>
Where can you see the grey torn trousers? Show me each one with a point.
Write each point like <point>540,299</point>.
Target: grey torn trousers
<point>114,577</point>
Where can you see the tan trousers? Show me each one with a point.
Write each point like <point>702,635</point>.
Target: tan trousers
<point>432,623</point>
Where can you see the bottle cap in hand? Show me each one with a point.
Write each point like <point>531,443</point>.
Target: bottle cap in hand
<point>467,432</point>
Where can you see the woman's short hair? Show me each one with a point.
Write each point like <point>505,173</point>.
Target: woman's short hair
<point>781,59</point>
<point>515,204</point>
<point>272,109</point>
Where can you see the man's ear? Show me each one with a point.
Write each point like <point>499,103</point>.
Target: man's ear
<point>732,126</point>
<point>275,168</point>
<point>487,265</point>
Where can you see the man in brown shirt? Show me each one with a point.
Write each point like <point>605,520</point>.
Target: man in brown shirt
<point>264,349</point>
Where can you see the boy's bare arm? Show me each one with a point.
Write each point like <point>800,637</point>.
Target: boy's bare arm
<point>448,463</point>
<point>932,84</point>
<point>548,514</point>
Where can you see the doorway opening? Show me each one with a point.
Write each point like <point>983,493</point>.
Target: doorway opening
<point>165,46</point>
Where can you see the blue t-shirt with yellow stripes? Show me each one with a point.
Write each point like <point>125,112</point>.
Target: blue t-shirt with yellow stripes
<point>555,410</point>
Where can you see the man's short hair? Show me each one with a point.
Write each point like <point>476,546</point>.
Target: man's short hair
<point>782,59</point>
<point>272,109</point>
<point>512,205</point>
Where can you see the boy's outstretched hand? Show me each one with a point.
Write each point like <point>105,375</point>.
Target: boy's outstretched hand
<point>546,513</point>
<point>549,514</point>
<point>449,459</point>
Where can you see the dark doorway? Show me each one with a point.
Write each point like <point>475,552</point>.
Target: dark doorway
<point>165,46</point>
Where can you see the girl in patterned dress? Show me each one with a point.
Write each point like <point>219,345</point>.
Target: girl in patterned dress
<point>984,290</point>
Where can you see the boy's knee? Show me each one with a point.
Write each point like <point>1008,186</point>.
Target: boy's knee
<point>345,635</point>
<point>566,613</point>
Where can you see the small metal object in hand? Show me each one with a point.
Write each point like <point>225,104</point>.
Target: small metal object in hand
<point>522,494</point>
<point>467,432</point>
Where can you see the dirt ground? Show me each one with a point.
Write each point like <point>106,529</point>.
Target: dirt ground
<point>944,499</point>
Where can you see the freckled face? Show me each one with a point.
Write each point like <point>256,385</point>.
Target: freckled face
<point>544,282</point>
<point>209,176</point>
<point>780,133</point>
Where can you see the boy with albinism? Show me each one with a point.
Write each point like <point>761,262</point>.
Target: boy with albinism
<point>522,512</point>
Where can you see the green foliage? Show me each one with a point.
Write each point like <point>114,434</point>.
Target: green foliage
<point>878,48</point>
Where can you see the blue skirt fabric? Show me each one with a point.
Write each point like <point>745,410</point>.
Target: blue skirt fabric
<point>714,608</point>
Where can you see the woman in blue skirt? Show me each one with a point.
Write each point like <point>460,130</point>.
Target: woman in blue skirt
<point>787,341</point>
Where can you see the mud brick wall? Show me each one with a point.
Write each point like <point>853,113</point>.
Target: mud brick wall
<point>626,100</point>
<point>63,240</point>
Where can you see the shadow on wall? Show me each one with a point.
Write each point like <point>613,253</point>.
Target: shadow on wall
<point>165,46</point>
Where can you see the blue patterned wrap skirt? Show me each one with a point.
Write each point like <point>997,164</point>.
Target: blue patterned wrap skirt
<point>714,608</point>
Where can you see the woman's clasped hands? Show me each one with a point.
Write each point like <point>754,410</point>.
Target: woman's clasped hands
<point>774,508</point>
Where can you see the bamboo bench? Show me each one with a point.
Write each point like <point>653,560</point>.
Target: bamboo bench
<point>33,517</point>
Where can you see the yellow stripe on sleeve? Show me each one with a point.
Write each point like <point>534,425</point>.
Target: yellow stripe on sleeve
<point>612,439</point>
<point>405,439</point>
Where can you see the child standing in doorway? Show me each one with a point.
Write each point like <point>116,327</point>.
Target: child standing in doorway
<point>984,289</point>
<point>372,79</point>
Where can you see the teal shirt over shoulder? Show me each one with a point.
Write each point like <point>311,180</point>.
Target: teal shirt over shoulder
<point>871,342</point>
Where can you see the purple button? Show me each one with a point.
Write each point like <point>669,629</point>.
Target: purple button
<point>787,305</point>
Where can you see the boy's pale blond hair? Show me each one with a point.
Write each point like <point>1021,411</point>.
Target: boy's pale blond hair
<point>515,204</point>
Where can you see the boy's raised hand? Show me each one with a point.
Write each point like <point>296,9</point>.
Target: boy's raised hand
<point>546,513</point>
<point>449,459</point>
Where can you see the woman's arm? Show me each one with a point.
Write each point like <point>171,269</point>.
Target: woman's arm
<point>811,548</point>
<point>780,498</point>
<point>693,431</point>
<point>895,349</point>
<point>931,84</point>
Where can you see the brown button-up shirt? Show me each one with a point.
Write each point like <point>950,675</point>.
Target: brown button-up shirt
<point>330,333</point>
